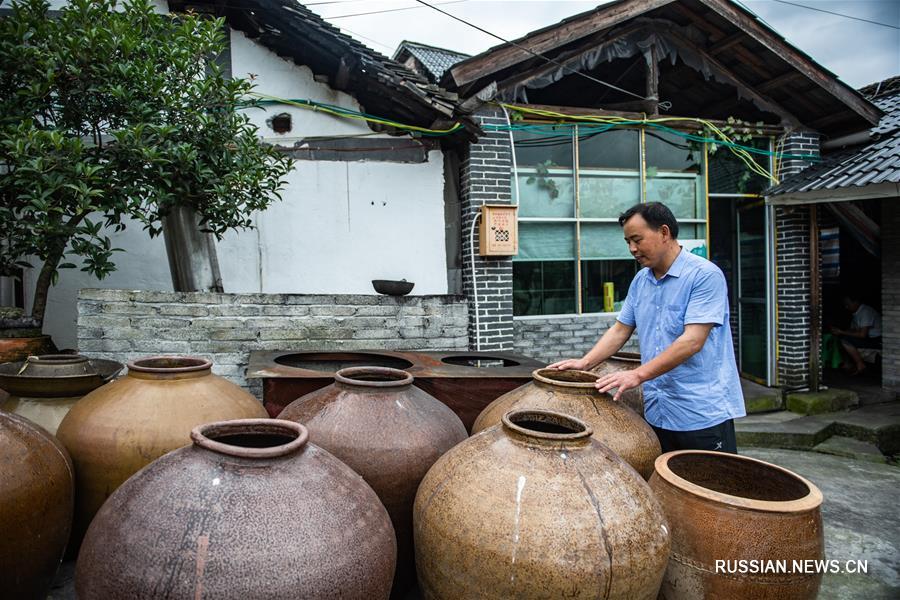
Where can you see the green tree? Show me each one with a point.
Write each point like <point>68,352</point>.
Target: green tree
<point>111,111</point>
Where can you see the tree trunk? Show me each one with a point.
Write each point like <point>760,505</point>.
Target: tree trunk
<point>193,262</point>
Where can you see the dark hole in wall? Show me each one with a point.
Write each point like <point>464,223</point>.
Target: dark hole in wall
<point>280,123</point>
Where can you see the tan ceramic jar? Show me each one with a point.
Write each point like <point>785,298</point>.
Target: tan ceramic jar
<point>121,427</point>
<point>536,508</point>
<point>573,393</point>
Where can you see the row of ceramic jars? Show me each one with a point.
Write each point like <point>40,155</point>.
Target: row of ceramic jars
<point>392,438</point>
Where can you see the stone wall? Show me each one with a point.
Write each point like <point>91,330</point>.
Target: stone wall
<point>551,338</point>
<point>124,325</point>
<point>485,179</point>
<point>890,296</point>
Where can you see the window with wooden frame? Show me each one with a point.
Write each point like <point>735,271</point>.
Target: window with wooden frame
<point>573,183</point>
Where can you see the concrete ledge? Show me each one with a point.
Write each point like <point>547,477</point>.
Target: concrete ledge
<point>826,401</point>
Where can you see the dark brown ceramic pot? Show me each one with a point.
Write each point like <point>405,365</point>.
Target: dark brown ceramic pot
<point>18,344</point>
<point>724,507</point>
<point>624,361</point>
<point>536,508</point>
<point>249,510</point>
<point>44,388</point>
<point>36,487</point>
<point>388,431</point>
<point>121,427</point>
<point>573,393</point>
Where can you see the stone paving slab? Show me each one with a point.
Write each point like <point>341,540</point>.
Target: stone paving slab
<point>851,448</point>
<point>796,432</point>
<point>861,521</point>
<point>825,401</point>
<point>877,423</point>
<point>759,398</point>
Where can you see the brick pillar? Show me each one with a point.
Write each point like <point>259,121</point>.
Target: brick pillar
<point>890,297</point>
<point>485,179</point>
<point>793,272</point>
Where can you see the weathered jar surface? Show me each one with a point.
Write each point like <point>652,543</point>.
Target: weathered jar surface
<point>725,507</point>
<point>624,361</point>
<point>36,487</point>
<point>44,388</point>
<point>250,510</point>
<point>536,508</point>
<point>573,393</point>
<point>388,431</point>
<point>121,427</point>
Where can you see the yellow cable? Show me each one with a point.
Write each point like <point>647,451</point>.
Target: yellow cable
<point>388,122</point>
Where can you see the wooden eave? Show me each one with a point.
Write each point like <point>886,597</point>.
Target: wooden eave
<point>764,67</point>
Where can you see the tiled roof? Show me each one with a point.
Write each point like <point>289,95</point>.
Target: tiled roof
<point>383,86</point>
<point>435,60</point>
<point>876,162</point>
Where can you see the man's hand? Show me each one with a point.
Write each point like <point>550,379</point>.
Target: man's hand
<point>578,364</point>
<point>623,380</point>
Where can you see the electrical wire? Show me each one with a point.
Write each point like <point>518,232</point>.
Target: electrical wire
<point>837,14</point>
<point>387,10</point>
<point>535,54</point>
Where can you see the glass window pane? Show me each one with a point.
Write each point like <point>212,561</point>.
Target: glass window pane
<point>728,174</point>
<point>546,241</point>
<point>607,195</point>
<point>670,152</point>
<point>603,240</point>
<point>611,149</point>
<point>678,193</point>
<point>546,194</point>
<point>546,145</point>
<point>544,288</point>
<point>595,273</point>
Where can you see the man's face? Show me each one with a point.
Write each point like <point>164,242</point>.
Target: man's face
<point>647,246</point>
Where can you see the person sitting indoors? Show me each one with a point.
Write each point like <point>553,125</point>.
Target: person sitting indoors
<point>864,332</point>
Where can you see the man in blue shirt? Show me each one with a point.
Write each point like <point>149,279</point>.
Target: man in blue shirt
<point>679,305</point>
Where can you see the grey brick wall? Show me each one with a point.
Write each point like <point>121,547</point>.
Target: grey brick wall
<point>552,338</point>
<point>124,325</point>
<point>485,179</point>
<point>890,296</point>
<point>793,272</point>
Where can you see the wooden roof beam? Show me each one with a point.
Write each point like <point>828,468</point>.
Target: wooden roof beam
<point>549,38</point>
<point>747,91</point>
<point>795,58</point>
<point>778,81</point>
<point>726,43</point>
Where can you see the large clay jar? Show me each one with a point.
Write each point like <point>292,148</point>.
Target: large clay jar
<point>250,510</point>
<point>36,480</point>
<point>120,427</point>
<point>536,508</point>
<point>624,361</point>
<point>573,393</point>
<point>44,388</point>
<point>724,507</point>
<point>388,431</point>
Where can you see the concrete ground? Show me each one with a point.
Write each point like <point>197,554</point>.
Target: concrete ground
<point>859,512</point>
<point>860,518</point>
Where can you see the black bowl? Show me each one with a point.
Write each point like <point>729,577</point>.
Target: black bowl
<point>392,288</point>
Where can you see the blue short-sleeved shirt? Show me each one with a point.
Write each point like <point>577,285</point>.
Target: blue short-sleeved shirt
<point>704,390</point>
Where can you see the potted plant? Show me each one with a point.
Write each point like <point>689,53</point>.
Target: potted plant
<point>111,111</point>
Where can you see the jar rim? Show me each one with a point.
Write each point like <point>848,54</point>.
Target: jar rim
<point>206,436</point>
<point>378,377</point>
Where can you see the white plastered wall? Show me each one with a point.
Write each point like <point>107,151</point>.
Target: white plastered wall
<point>339,225</point>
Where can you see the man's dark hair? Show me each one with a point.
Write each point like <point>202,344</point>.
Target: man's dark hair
<point>656,214</point>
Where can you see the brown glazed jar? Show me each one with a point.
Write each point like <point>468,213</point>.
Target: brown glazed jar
<point>624,361</point>
<point>36,487</point>
<point>573,393</point>
<point>725,507</point>
<point>44,388</point>
<point>121,427</point>
<point>536,508</point>
<point>249,510</point>
<point>388,431</point>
